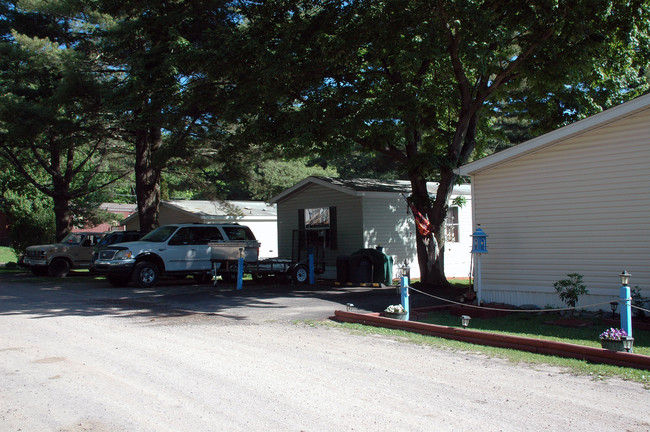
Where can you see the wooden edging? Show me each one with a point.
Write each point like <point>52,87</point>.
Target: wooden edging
<point>539,346</point>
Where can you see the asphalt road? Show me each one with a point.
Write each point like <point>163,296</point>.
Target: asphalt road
<point>78,355</point>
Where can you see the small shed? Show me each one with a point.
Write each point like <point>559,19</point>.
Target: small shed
<point>259,216</point>
<point>343,216</point>
<point>576,200</point>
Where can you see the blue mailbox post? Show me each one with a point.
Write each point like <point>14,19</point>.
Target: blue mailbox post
<point>479,247</point>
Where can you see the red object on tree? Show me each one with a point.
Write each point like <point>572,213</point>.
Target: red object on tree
<point>421,221</point>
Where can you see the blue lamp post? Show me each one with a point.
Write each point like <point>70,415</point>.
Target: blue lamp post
<point>479,247</point>
<point>626,303</point>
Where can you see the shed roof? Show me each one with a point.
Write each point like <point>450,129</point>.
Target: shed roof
<point>363,187</point>
<point>593,122</point>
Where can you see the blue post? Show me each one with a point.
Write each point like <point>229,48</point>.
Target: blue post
<point>626,310</point>
<point>312,278</point>
<point>240,273</point>
<point>404,283</point>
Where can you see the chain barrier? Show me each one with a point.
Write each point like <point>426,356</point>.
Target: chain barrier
<point>517,310</point>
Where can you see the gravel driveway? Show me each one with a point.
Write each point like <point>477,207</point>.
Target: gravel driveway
<point>76,355</point>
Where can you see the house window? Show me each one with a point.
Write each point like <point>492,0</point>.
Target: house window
<point>451,228</point>
<point>318,227</point>
<point>317,218</point>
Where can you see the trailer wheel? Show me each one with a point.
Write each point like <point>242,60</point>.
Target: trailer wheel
<point>301,274</point>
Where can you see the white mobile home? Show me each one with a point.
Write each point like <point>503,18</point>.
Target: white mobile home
<point>347,215</point>
<point>259,216</point>
<point>576,200</point>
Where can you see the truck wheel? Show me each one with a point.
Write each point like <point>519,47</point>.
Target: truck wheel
<point>59,267</point>
<point>145,274</point>
<point>301,274</point>
<point>118,281</point>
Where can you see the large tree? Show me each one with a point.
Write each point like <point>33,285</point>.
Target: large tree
<point>414,79</point>
<point>168,108</point>
<point>52,127</point>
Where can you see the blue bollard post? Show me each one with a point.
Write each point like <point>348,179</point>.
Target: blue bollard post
<point>240,273</point>
<point>404,283</point>
<point>626,310</point>
<point>312,278</point>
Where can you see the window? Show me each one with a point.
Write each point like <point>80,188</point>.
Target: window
<point>317,218</point>
<point>451,228</point>
<point>318,227</point>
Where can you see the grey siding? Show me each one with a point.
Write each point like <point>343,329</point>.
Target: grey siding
<point>387,223</point>
<point>579,206</point>
<point>349,219</point>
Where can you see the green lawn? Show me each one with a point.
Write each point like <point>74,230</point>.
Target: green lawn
<point>539,326</point>
<point>7,255</point>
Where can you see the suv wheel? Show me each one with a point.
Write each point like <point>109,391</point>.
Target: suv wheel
<point>59,267</point>
<point>145,274</point>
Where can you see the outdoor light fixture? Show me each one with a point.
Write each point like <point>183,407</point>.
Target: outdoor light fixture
<point>625,278</point>
<point>614,306</point>
<point>406,270</point>
<point>349,306</point>
<point>627,344</point>
<point>464,320</point>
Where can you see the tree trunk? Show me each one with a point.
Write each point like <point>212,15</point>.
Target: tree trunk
<point>430,248</point>
<point>62,216</point>
<point>147,177</point>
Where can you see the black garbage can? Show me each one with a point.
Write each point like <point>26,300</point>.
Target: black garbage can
<point>343,269</point>
<point>361,269</point>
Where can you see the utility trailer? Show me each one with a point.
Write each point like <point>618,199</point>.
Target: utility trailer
<point>225,263</point>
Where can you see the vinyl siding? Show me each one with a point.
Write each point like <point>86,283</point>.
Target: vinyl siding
<point>578,206</point>
<point>348,213</point>
<point>389,223</point>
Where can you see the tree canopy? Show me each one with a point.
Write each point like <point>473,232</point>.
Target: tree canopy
<point>421,81</point>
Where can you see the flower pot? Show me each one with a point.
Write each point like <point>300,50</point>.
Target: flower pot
<point>398,316</point>
<point>624,345</point>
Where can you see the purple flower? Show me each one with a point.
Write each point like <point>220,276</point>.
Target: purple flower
<point>613,334</point>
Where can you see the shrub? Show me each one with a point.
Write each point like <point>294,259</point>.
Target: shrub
<point>570,290</point>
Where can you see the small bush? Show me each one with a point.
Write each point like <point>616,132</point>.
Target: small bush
<point>570,290</point>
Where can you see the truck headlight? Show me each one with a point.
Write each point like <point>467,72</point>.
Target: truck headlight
<point>123,255</point>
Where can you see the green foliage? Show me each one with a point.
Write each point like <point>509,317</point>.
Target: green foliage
<point>639,301</point>
<point>31,219</point>
<point>570,290</point>
<point>424,83</point>
<point>7,255</point>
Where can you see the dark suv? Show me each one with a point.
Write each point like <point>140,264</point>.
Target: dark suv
<point>112,238</point>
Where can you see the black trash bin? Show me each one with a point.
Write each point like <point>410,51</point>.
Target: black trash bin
<point>361,269</point>
<point>382,265</point>
<point>343,269</point>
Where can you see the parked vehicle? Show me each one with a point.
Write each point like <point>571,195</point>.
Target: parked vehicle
<point>176,250</point>
<point>73,252</point>
<point>118,237</point>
